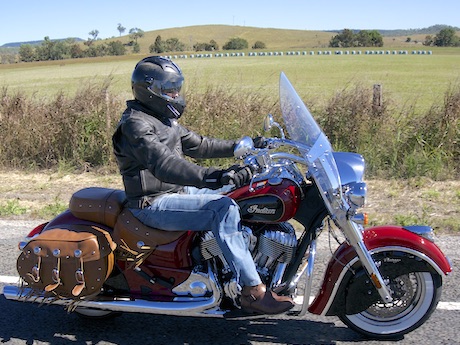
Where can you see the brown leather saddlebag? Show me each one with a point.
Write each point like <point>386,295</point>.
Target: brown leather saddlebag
<point>136,241</point>
<point>68,263</point>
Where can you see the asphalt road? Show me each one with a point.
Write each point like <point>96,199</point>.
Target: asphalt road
<point>25,323</point>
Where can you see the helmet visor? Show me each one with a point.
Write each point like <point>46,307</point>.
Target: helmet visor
<point>167,89</point>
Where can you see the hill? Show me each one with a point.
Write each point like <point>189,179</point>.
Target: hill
<point>431,30</point>
<point>18,44</point>
<point>273,38</point>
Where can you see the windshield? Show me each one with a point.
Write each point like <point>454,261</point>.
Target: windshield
<point>316,147</point>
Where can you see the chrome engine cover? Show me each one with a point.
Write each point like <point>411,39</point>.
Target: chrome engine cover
<point>272,252</point>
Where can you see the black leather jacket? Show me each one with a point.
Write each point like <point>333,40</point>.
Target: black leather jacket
<point>150,154</point>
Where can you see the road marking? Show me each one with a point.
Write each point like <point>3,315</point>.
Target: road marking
<point>441,305</point>
<point>9,280</point>
<point>297,300</point>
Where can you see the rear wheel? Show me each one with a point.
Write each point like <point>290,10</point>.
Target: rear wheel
<point>415,297</point>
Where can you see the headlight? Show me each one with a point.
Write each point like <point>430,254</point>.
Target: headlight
<point>356,194</point>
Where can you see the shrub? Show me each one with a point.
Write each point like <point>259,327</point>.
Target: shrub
<point>235,44</point>
<point>42,133</point>
<point>259,45</point>
<point>76,131</point>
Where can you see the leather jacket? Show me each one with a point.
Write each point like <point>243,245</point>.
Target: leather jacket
<point>150,153</point>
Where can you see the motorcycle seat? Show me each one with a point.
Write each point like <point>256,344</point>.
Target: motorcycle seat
<point>97,204</point>
<point>107,206</point>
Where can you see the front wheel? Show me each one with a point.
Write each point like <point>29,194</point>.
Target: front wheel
<point>415,297</point>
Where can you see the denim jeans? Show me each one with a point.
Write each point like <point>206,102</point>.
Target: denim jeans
<point>203,210</point>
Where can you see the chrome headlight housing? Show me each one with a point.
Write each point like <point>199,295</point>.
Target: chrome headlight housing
<point>355,194</point>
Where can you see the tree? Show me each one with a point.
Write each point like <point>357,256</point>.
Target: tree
<point>446,38</point>
<point>94,33</point>
<point>43,51</point>
<point>59,50</point>
<point>27,53</point>
<point>259,45</point>
<point>211,46</point>
<point>76,52</point>
<point>364,38</point>
<point>344,39</point>
<point>116,48</point>
<point>174,45</point>
<point>214,45</point>
<point>375,38</point>
<point>121,28</point>
<point>135,34</point>
<point>428,40</point>
<point>158,46</point>
<point>236,43</point>
<point>136,48</point>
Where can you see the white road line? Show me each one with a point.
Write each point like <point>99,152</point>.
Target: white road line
<point>9,279</point>
<point>298,299</point>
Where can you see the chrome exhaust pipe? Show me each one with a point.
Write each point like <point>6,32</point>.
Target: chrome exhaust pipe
<point>206,307</point>
<point>201,306</point>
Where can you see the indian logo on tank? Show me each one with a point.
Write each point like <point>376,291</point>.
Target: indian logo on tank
<point>258,210</point>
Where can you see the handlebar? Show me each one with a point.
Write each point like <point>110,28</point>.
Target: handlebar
<point>263,160</point>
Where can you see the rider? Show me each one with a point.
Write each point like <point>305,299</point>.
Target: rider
<point>166,191</point>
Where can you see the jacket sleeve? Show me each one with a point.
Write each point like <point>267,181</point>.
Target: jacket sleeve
<point>161,161</point>
<point>197,146</point>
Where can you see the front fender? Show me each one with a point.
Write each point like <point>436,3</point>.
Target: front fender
<point>336,276</point>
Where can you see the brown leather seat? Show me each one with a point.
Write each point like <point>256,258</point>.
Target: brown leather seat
<point>96,204</point>
<point>107,206</point>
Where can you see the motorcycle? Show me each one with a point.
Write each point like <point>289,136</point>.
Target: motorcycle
<point>98,260</point>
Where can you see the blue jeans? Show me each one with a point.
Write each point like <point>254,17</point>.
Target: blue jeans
<point>203,210</point>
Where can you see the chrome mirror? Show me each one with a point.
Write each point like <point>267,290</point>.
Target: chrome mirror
<point>269,123</point>
<point>244,147</point>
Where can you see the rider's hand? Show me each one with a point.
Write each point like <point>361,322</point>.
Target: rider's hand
<point>260,142</point>
<point>235,175</point>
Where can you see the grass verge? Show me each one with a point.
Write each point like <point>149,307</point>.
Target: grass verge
<point>418,201</point>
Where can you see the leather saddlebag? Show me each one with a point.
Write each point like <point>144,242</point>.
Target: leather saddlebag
<point>68,263</point>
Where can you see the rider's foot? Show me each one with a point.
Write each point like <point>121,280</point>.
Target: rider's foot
<point>256,299</point>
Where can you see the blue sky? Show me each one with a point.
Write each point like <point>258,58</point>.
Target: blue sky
<point>30,20</point>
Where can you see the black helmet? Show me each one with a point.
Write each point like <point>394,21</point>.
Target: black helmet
<point>156,83</point>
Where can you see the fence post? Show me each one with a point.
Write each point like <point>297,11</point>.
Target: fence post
<point>377,100</point>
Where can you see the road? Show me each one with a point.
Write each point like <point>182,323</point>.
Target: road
<point>25,323</point>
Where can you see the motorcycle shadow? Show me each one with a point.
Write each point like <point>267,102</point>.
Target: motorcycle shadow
<point>31,323</point>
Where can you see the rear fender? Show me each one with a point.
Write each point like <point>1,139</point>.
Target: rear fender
<point>339,270</point>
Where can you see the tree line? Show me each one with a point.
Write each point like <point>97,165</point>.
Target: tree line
<point>364,38</point>
<point>70,48</point>
<point>348,38</point>
<point>445,38</point>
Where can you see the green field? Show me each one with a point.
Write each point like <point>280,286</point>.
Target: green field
<point>407,78</point>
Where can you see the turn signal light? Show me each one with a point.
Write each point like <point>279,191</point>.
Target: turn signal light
<point>361,218</point>
<point>366,219</point>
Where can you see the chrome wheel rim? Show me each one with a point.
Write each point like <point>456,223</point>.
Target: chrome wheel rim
<point>413,299</point>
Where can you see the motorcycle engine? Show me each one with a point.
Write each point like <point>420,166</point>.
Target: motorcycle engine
<point>272,251</point>
<point>275,250</point>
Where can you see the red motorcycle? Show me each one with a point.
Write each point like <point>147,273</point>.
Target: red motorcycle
<point>99,260</point>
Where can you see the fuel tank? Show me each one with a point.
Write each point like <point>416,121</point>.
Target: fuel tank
<point>269,202</point>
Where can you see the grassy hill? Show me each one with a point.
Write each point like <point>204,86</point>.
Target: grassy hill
<point>273,38</point>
